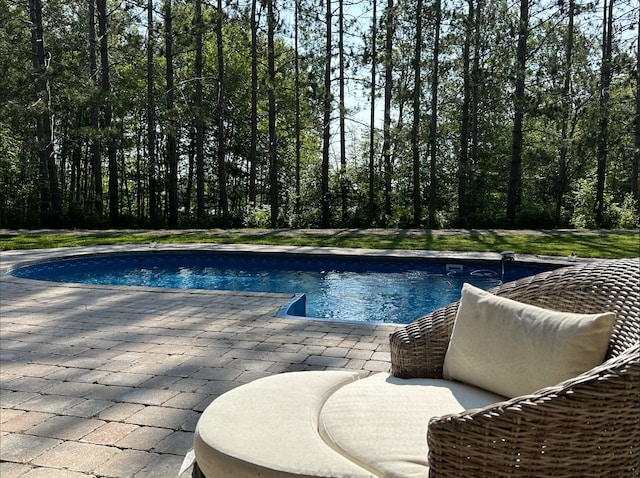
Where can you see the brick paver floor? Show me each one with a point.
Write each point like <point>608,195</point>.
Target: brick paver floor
<point>102,381</point>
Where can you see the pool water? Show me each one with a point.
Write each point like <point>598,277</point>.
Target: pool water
<point>343,288</point>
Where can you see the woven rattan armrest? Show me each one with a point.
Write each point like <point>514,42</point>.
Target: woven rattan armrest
<point>418,349</point>
<point>587,426</point>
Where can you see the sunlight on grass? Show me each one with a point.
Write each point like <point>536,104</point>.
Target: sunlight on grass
<point>604,245</point>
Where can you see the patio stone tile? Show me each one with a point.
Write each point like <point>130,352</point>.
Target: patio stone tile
<point>126,464</point>
<point>188,384</point>
<point>132,343</point>
<point>43,472</point>
<point>13,470</point>
<point>361,354</point>
<point>216,373</point>
<point>7,414</point>
<point>250,365</point>
<point>88,408</point>
<point>76,456</point>
<point>125,379</point>
<point>383,356</point>
<point>143,438</point>
<point>109,433</point>
<point>153,368</point>
<point>50,403</point>
<point>163,417</point>
<point>178,443</point>
<point>286,347</point>
<point>325,361</point>
<point>356,364</point>
<point>165,466</point>
<point>190,425</point>
<point>336,352</point>
<point>170,349</point>
<point>65,427</point>
<point>120,411</point>
<point>215,388</point>
<point>160,382</point>
<point>148,396</point>
<point>376,366</point>
<point>114,366</point>
<point>24,448</point>
<point>78,375</point>
<point>185,400</point>
<point>29,369</point>
<point>251,375</point>
<point>129,357</point>
<point>72,389</point>
<point>24,421</point>
<point>28,384</point>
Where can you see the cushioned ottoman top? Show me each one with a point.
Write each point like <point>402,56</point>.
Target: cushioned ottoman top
<point>381,421</point>
<point>269,428</point>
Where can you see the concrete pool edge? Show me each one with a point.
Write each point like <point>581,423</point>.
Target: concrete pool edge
<point>293,306</point>
<point>17,257</point>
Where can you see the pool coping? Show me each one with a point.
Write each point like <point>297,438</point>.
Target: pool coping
<point>10,260</point>
<point>15,258</point>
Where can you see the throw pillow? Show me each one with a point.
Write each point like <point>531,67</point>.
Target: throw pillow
<point>514,349</point>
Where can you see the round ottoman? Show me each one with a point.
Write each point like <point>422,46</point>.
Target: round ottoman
<point>269,428</point>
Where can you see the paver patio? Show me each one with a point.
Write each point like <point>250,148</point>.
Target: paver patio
<point>102,381</point>
<point>107,381</point>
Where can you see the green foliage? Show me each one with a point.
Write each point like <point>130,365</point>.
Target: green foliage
<point>556,123</point>
<point>626,214</point>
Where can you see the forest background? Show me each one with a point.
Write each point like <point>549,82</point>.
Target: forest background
<point>319,113</point>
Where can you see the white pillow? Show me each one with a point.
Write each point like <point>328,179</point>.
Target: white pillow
<point>514,349</point>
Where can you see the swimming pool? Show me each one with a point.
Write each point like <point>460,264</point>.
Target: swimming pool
<point>370,289</point>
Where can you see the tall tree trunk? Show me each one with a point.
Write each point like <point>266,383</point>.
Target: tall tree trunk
<point>273,153</point>
<point>297,205</point>
<point>151,120</point>
<point>191,166</point>
<point>463,158</point>
<point>476,76</point>
<point>342,109</point>
<point>172,149</point>
<point>326,135</point>
<point>253,153</point>
<point>200,128</point>
<point>76,156</point>
<point>388,88</point>
<point>105,85</point>
<point>603,122</point>
<point>514,192</point>
<point>415,129</point>
<point>96,153</point>
<point>50,196</point>
<point>221,108</point>
<point>372,119</point>
<point>636,154</point>
<point>433,130</point>
<point>563,164</point>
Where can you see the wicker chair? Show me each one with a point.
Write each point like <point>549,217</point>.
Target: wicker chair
<point>588,426</point>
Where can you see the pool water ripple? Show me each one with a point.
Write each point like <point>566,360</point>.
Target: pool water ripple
<point>344,288</point>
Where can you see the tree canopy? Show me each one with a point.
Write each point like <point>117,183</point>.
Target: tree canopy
<point>317,113</point>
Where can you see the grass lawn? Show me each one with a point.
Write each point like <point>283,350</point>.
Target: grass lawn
<point>600,244</point>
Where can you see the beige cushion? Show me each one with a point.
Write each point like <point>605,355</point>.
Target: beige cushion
<point>514,349</point>
<point>381,422</point>
<point>269,428</point>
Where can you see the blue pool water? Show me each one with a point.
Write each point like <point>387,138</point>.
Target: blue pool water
<point>344,288</point>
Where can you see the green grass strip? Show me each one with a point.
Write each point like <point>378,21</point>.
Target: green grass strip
<point>596,245</point>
